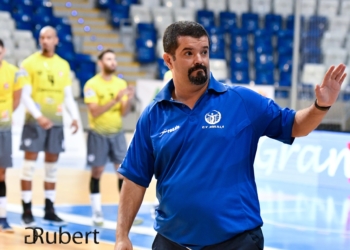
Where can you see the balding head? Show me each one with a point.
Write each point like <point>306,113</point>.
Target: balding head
<point>48,30</point>
<point>48,40</point>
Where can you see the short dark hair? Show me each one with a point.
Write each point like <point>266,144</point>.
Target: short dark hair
<point>100,56</point>
<point>2,44</point>
<point>181,28</point>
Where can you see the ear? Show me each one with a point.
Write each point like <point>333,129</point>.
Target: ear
<point>168,60</point>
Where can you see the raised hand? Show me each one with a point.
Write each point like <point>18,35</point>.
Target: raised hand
<point>327,93</point>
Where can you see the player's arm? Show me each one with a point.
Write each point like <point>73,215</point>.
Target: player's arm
<point>127,101</point>
<point>327,93</point>
<point>130,201</point>
<point>71,107</point>
<point>95,109</point>
<point>16,98</point>
<point>33,109</point>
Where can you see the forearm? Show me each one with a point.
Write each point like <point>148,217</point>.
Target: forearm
<point>130,201</point>
<point>100,109</point>
<point>306,120</point>
<point>29,102</point>
<point>70,103</point>
<point>126,106</point>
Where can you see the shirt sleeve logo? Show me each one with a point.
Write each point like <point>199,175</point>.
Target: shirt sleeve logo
<point>212,117</point>
<point>89,92</point>
<point>167,131</point>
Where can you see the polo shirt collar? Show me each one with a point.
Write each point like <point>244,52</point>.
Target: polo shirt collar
<point>165,93</point>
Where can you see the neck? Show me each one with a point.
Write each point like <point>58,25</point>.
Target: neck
<point>106,77</point>
<point>48,53</point>
<point>0,63</point>
<point>188,93</point>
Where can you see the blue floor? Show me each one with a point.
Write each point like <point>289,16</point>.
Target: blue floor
<point>295,217</point>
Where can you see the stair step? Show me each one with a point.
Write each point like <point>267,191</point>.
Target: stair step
<point>66,4</point>
<point>102,38</point>
<point>76,12</point>
<point>91,49</point>
<point>122,57</point>
<point>128,67</point>
<point>88,20</point>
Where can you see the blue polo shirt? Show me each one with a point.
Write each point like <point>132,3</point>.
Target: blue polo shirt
<point>203,160</point>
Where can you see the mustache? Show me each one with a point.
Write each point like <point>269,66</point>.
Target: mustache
<point>196,67</point>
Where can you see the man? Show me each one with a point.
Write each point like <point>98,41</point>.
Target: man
<point>48,89</point>
<point>108,99</point>
<point>195,126</point>
<point>11,81</point>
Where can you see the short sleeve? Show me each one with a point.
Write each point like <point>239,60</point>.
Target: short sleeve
<point>90,94</point>
<point>138,165</point>
<point>268,119</point>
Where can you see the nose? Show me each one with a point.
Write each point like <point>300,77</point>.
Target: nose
<point>198,59</point>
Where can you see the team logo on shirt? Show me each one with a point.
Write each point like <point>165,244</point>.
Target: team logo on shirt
<point>89,92</point>
<point>6,85</point>
<point>167,131</point>
<point>213,117</point>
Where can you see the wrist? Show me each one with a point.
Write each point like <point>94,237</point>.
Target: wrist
<point>323,108</point>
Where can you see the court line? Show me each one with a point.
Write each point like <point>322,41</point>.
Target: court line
<point>83,220</point>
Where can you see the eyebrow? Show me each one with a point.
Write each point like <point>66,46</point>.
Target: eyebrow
<point>204,47</point>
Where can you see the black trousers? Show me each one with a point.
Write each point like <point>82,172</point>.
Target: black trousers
<point>248,240</point>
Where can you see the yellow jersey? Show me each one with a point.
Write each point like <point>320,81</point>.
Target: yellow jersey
<point>11,80</point>
<point>99,91</point>
<point>48,77</point>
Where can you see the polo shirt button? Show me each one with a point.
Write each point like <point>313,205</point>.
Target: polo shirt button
<point>193,119</point>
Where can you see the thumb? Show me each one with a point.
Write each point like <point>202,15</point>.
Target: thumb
<point>317,91</point>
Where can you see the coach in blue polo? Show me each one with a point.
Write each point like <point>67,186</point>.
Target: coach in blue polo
<point>199,139</point>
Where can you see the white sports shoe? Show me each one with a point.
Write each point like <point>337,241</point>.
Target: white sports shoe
<point>97,218</point>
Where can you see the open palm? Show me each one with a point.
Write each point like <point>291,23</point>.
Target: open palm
<point>327,93</point>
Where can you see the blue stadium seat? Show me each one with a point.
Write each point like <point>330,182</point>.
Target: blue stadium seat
<point>228,20</point>
<point>263,36</point>
<point>239,40</point>
<point>119,12</point>
<point>285,42</point>
<point>264,62</point>
<point>239,61</point>
<point>217,51</point>
<point>43,10</point>
<point>206,18</point>
<point>250,22</point>
<point>128,2</point>
<point>240,76</point>
<point>147,31</point>
<point>5,5</point>
<point>105,4</point>
<point>311,39</point>
<point>318,23</point>
<point>217,42</point>
<point>23,21</point>
<point>264,77</point>
<point>284,94</point>
<point>145,50</point>
<point>285,79</point>
<point>273,23</point>
<point>311,55</point>
<point>162,68</point>
<point>263,48</point>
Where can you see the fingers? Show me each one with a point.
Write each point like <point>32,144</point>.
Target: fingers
<point>327,77</point>
<point>338,72</point>
<point>342,78</point>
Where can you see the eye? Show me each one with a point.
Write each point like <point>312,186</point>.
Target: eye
<point>205,52</point>
<point>188,53</point>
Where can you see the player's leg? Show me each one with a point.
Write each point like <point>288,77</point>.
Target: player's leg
<point>5,161</point>
<point>54,145</point>
<point>118,147</point>
<point>97,156</point>
<point>33,139</point>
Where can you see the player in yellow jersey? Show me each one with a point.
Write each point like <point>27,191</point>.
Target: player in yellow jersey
<point>108,99</point>
<point>11,81</point>
<point>48,90</point>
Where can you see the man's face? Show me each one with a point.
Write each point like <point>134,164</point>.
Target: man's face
<point>48,40</point>
<point>2,53</point>
<point>192,59</point>
<point>109,63</point>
